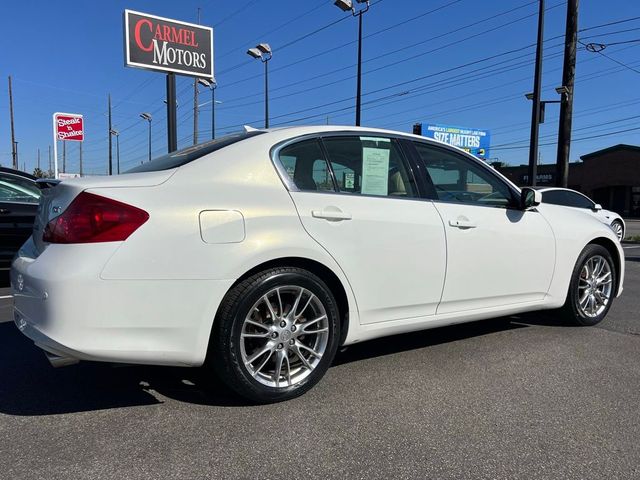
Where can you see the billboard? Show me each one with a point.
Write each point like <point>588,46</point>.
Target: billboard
<point>165,45</point>
<point>68,126</point>
<point>473,140</point>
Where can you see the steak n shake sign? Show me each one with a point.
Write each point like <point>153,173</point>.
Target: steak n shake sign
<point>166,45</point>
<point>68,126</point>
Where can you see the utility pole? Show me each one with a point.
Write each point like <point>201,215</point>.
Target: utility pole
<point>110,145</point>
<point>49,160</point>
<point>14,149</point>
<point>566,107</point>
<point>195,101</point>
<point>359,83</point>
<point>195,111</point>
<point>38,159</point>
<point>172,122</point>
<point>80,158</point>
<point>535,109</point>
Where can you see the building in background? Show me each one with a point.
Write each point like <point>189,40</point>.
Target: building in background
<point>611,177</point>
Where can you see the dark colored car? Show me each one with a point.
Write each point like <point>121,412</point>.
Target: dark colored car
<point>19,198</point>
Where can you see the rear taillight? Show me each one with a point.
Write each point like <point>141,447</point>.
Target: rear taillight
<point>91,218</point>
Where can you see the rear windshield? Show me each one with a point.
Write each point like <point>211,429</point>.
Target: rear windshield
<point>189,154</point>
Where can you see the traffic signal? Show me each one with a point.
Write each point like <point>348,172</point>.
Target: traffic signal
<point>417,129</point>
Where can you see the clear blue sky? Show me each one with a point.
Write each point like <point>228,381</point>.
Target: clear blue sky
<point>66,56</point>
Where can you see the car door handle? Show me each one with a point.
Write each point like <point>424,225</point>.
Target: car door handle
<point>331,214</point>
<point>461,223</point>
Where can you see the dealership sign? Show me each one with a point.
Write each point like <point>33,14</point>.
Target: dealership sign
<point>166,45</point>
<point>68,126</point>
<point>474,141</point>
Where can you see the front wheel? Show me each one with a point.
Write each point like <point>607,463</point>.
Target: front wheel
<point>592,287</point>
<point>618,229</point>
<point>276,333</point>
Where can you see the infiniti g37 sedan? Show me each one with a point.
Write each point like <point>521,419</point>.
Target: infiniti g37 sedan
<point>261,253</point>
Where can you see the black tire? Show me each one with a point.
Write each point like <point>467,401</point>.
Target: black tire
<point>225,350</point>
<point>571,311</point>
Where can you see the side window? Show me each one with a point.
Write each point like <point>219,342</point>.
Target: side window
<point>306,166</point>
<point>369,166</point>
<point>566,198</point>
<point>456,178</point>
<point>555,197</point>
<point>19,190</point>
<point>577,200</point>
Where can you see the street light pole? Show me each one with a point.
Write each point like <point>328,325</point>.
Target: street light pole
<point>263,53</point>
<point>266,94</point>
<point>212,85</point>
<point>148,118</point>
<point>345,6</point>
<point>116,133</point>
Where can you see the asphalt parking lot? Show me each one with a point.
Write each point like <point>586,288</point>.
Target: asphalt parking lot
<point>518,397</point>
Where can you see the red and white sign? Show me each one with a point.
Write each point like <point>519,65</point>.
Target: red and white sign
<point>69,126</point>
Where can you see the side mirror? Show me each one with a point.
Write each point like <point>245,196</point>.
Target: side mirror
<point>597,207</point>
<point>529,198</point>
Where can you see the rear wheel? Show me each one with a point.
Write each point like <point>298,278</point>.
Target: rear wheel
<point>275,335</point>
<point>592,287</point>
<point>618,229</point>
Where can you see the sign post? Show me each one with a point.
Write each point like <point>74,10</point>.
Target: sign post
<point>166,45</point>
<point>66,127</point>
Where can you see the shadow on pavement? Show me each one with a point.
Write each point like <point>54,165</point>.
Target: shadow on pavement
<point>30,386</point>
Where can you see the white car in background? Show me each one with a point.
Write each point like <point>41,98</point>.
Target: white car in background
<point>573,199</point>
<point>261,253</point>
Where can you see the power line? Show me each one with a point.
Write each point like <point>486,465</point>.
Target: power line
<point>400,93</point>
<point>602,25</point>
<point>611,58</point>
<point>266,34</point>
<point>611,44</point>
<point>590,137</point>
<point>327,51</point>
<point>236,12</point>
<point>324,85</point>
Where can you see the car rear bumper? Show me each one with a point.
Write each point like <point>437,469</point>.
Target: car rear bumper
<point>69,311</point>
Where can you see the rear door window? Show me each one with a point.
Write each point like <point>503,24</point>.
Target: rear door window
<point>306,167</point>
<point>369,165</point>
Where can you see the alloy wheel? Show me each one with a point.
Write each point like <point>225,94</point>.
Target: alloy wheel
<point>284,336</point>
<point>617,229</point>
<point>594,286</point>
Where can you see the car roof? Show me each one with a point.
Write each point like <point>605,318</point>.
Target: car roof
<point>18,173</point>
<point>548,189</point>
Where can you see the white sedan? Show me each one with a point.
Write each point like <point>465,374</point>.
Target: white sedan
<point>261,253</point>
<point>571,198</point>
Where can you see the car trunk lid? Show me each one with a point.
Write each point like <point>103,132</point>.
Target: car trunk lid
<point>56,199</point>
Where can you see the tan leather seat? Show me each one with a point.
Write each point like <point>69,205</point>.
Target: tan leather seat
<point>396,185</point>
